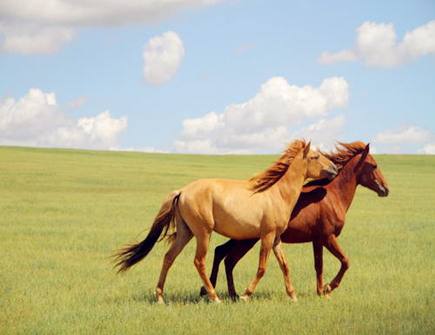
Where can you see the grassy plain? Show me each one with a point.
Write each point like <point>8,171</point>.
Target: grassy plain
<point>63,212</point>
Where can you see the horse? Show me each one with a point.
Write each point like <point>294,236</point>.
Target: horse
<point>318,217</point>
<point>238,209</point>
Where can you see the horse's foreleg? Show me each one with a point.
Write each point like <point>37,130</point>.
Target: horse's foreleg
<point>280,256</point>
<point>220,252</point>
<point>333,246</point>
<point>238,250</point>
<point>202,242</point>
<point>318,265</point>
<point>266,245</point>
<point>183,236</point>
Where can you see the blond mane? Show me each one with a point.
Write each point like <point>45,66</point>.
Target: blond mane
<point>267,178</point>
<point>344,152</point>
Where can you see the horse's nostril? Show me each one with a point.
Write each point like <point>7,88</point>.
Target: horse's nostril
<point>383,191</point>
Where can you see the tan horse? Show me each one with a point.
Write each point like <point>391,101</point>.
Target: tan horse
<point>239,209</point>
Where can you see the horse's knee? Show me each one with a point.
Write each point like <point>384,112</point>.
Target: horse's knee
<point>260,272</point>
<point>286,270</point>
<point>169,258</point>
<point>345,263</point>
<point>199,264</point>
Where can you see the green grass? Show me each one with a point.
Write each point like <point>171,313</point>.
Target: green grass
<point>63,212</point>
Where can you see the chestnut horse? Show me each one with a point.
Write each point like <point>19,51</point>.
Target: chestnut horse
<point>319,215</point>
<point>239,209</point>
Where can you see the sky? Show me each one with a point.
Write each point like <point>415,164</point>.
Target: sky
<point>217,76</point>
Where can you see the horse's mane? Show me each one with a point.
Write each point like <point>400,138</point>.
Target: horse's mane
<point>267,178</point>
<point>344,152</point>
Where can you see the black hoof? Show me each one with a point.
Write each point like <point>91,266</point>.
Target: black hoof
<point>234,297</point>
<point>203,291</point>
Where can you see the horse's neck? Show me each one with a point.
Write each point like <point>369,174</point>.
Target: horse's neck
<point>346,183</point>
<point>290,185</point>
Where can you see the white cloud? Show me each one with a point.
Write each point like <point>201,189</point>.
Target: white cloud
<point>429,149</point>
<point>42,26</point>
<point>410,139</point>
<point>37,120</point>
<point>323,133</point>
<point>410,134</point>
<point>31,39</point>
<point>334,57</point>
<point>377,45</point>
<point>162,57</point>
<point>95,12</point>
<point>265,122</point>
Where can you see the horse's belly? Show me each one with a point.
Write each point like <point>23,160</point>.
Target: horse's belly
<point>238,230</point>
<point>237,217</point>
<point>292,235</point>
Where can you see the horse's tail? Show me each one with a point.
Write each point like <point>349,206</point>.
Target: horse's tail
<point>133,253</point>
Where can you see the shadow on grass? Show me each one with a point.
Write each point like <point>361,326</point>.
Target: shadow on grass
<point>187,298</point>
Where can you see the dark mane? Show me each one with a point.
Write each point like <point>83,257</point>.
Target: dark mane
<point>344,152</point>
<point>267,178</point>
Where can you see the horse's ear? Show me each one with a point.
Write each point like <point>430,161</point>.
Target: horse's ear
<point>363,157</point>
<point>307,149</point>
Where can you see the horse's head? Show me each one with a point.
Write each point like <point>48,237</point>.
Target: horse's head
<point>369,175</point>
<point>318,166</point>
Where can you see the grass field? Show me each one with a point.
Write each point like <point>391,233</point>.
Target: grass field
<point>63,212</point>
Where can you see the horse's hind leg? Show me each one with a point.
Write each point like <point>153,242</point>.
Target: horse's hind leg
<point>220,252</point>
<point>266,245</point>
<point>183,236</point>
<point>202,241</point>
<point>280,256</point>
<point>238,250</point>
<point>318,265</point>
<point>332,245</point>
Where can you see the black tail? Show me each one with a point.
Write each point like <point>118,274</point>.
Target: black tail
<point>133,253</point>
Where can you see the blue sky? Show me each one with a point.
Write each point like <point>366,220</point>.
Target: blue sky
<point>230,52</point>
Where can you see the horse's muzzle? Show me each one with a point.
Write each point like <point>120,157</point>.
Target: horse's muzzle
<point>382,190</point>
<point>332,172</point>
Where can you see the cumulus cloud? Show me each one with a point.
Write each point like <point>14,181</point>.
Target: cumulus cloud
<point>267,121</point>
<point>408,139</point>
<point>42,26</point>
<point>412,134</point>
<point>377,45</point>
<point>162,57</point>
<point>37,120</point>
<point>324,132</point>
<point>429,149</point>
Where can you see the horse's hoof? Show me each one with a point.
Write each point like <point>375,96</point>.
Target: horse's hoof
<point>216,300</point>
<point>327,290</point>
<point>244,298</point>
<point>160,301</point>
<point>292,296</point>
<point>203,291</point>
<point>234,297</point>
